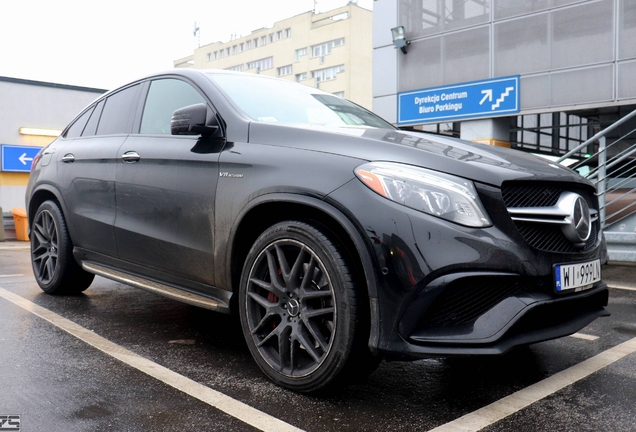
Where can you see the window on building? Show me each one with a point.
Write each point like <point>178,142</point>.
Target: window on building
<point>287,33</point>
<point>555,133</point>
<point>214,55</point>
<point>340,94</point>
<point>271,38</point>
<point>327,74</point>
<point>241,47</point>
<point>237,68</point>
<point>263,40</point>
<point>234,49</point>
<point>262,64</point>
<point>285,70</point>
<point>164,97</point>
<point>248,45</point>
<point>325,48</point>
<point>279,35</point>
<point>300,52</point>
<point>301,77</point>
<point>222,53</point>
<point>227,51</point>
<point>209,56</point>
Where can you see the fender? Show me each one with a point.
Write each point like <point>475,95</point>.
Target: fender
<point>362,248</point>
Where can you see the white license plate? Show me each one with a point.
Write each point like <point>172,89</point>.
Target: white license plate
<point>577,276</point>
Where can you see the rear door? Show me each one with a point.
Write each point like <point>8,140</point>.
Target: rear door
<point>86,170</point>
<point>165,189</point>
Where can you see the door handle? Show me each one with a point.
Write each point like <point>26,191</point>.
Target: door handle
<point>131,157</point>
<point>68,158</point>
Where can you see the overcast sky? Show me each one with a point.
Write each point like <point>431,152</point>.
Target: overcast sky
<point>107,43</point>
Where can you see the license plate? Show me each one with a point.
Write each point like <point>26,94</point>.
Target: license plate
<point>577,276</point>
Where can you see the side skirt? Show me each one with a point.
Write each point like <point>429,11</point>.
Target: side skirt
<point>157,287</point>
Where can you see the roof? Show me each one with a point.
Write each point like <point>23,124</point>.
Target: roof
<point>52,85</point>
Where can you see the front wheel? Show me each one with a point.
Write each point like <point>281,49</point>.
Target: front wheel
<point>298,307</point>
<point>54,267</point>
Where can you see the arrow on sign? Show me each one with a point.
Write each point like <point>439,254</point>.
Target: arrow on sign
<point>24,159</point>
<point>487,95</point>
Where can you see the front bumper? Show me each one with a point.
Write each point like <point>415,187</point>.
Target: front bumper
<point>446,290</point>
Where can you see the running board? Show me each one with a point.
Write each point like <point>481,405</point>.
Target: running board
<point>157,287</point>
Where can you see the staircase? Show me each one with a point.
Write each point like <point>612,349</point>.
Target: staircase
<point>612,168</point>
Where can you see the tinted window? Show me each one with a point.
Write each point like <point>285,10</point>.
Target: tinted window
<point>91,126</point>
<point>118,112</point>
<point>76,128</point>
<point>165,97</point>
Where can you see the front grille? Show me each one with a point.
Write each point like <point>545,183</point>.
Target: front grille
<point>544,236</point>
<point>550,238</point>
<point>464,300</point>
<point>524,195</point>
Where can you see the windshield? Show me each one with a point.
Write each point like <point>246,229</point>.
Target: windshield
<point>278,101</point>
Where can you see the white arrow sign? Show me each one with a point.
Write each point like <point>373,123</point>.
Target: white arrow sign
<point>24,159</point>
<point>487,95</point>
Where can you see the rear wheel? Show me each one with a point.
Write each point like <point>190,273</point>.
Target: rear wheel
<point>298,306</point>
<point>54,267</point>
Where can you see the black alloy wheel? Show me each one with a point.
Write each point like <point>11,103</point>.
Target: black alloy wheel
<point>54,267</point>
<point>298,306</point>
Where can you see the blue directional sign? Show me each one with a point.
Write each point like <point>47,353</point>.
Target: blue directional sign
<point>18,158</point>
<point>475,99</point>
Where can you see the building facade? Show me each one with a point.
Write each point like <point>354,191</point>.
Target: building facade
<point>575,61</point>
<point>32,114</point>
<point>330,50</point>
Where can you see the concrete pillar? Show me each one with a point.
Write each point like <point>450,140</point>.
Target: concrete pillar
<point>495,131</point>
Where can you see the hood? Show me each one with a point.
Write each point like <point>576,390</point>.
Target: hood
<point>474,161</point>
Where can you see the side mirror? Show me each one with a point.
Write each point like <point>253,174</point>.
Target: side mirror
<point>191,120</point>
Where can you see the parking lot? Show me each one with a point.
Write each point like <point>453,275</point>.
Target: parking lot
<point>118,358</point>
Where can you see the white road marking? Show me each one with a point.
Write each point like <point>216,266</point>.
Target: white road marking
<point>11,275</point>
<point>20,247</point>
<point>584,336</point>
<point>508,405</point>
<point>622,287</point>
<point>228,405</point>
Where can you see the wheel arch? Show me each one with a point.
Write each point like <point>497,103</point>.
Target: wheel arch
<point>43,193</point>
<point>271,209</point>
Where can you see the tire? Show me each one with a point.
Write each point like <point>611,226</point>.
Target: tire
<point>301,331</point>
<point>54,266</point>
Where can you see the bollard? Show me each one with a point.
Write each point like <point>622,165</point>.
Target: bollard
<point>2,236</point>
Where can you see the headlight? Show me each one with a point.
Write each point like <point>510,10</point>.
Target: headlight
<point>435,193</point>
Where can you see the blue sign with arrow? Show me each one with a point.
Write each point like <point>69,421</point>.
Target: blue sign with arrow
<point>18,158</point>
<point>475,99</point>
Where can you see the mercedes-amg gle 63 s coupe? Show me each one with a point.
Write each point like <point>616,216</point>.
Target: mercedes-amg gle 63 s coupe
<point>338,239</point>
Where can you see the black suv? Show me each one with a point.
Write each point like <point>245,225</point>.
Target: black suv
<point>338,239</point>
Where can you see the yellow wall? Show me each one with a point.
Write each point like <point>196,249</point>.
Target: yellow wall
<point>307,29</point>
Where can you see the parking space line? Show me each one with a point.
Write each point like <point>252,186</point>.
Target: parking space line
<point>584,336</point>
<point>515,402</point>
<point>222,402</point>
<point>25,247</point>
<point>11,275</point>
<point>623,287</point>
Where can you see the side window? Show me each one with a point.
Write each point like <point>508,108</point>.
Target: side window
<point>165,97</point>
<point>91,126</point>
<point>118,112</point>
<point>77,127</point>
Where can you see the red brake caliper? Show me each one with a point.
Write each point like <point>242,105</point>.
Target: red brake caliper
<point>274,298</point>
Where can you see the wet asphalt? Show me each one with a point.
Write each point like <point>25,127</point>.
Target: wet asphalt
<point>57,382</point>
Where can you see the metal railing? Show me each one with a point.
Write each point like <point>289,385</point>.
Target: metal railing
<point>615,173</point>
